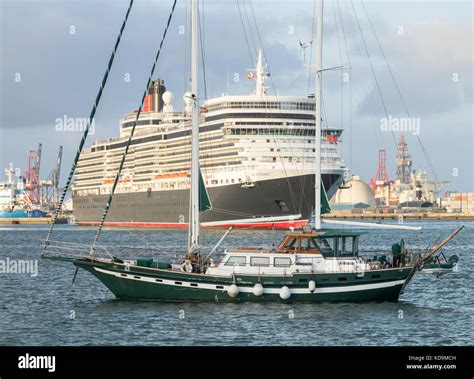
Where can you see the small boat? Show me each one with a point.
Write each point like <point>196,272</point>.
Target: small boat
<point>248,184</point>
<point>439,265</point>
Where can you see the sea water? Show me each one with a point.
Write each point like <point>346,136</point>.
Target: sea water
<point>48,309</point>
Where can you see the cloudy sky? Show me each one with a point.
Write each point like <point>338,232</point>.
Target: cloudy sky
<point>47,72</point>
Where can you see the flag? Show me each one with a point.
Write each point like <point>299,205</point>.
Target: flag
<point>331,138</point>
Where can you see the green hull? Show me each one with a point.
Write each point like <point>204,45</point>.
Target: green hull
<point>442,266</point>
<point>140,283</point>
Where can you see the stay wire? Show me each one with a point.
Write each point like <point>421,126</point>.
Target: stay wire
<point>86,132</point>
<point>423,149</point>
<point>372,69</point>
<point>117,176</point>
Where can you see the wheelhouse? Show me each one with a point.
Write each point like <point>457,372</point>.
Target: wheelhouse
<point>300,251</point>
<point>328,243</point>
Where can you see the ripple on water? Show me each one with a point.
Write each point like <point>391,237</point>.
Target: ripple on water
<point>37,311</point>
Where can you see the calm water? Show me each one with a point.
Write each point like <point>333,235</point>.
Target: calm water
<point>37,310</point>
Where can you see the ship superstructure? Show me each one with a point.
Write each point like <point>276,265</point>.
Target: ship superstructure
<point>256,155</point>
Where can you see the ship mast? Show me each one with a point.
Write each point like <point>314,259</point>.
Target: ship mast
<point>261,75</point>
<point>193,241</point>
<point>319,58</point>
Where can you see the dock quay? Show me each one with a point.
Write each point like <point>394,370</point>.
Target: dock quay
<point>32,221</point>
<point>398,216</point>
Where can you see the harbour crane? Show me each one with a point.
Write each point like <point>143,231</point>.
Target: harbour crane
<point>32,176</point>
<point>50,186</point>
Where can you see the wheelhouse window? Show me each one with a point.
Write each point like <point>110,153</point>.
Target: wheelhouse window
<point>236,261</point>
<point>282,262</point>
<point>260,261</point>
<point>309,244</point>
<point>355,245</point>
<point>325,246</point>
<point>344,246</point>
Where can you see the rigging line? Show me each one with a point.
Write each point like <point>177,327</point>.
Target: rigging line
<point>86,132</point>
<point>186,49</point>
<point>263,49</point>
<point>310,72</point>
<point>398,89</point>
<point>117,176</point>
<point>250,27</point>
<point>276,95</point>
<point>376,119</point>
<point>327,126</point>
<point>201,41</point>
<point>231,212</point>
<point>373,113</point>
<point>373,70</point>
<point>324,112</point>
<point>350,80</point>
<point>365,80</point>
<point>303,181</point>
<point>341,63</point>
<point>245,34</point>
<point>364,74</point>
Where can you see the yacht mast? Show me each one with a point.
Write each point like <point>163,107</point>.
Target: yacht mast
<point>319,58</point>
<point>194,193</point>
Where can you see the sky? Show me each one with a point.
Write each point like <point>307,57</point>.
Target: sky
<point>53,55</point>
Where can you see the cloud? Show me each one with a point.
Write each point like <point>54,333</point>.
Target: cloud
<point>432,64</point>
<point>61,72</point>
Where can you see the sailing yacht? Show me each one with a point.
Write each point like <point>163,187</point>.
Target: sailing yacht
<point>309,265</point>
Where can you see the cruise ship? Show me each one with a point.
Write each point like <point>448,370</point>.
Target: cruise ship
<point>256,153</point>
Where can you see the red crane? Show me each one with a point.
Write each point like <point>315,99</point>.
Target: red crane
<point>32,176</point>
<point>381,176</point>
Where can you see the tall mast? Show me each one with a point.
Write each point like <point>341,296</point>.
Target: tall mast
<point>319,58</point>
<point>194,193</point>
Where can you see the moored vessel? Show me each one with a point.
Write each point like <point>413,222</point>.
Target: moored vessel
<point>256,153</point>
<point>309,265</point>
<point>14,201</point>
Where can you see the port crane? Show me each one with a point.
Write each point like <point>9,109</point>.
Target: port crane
<point>32,176</point>
<point>50,186</point>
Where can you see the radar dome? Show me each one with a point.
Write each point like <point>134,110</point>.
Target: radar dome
<point>168,97</point>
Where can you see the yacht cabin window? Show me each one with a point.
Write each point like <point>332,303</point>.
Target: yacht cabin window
<point>236,261</point>
<point>260,261</point>
<point>282,262</point>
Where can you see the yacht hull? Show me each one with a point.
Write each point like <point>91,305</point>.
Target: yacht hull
<point>141,283</point>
